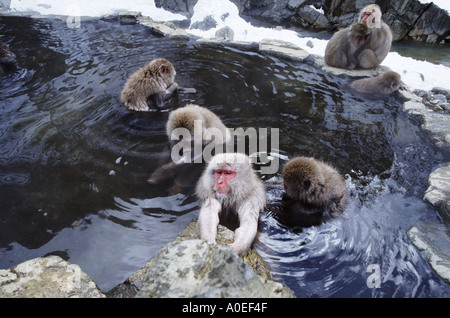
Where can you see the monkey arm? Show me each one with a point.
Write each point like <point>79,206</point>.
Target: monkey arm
<point>160,99</point>
<point>247,230</point>
<point>208,220</point>
<point>186,90</point>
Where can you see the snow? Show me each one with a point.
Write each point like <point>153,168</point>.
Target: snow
<point>415,74</point>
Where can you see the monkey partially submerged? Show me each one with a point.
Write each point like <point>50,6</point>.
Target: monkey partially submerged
<point>315,191</point>
<point>8,62</point>
<point>230,185</point>
<point>155,81</point>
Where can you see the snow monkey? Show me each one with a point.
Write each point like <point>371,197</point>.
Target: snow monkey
<point>314,184</point>
<point>381,85</point>
<point>373,51</point>
<point>156,81</point>
<point>343,46</point>
<point>8,60</point>
<point>230,185</point>
<point>183,122</point>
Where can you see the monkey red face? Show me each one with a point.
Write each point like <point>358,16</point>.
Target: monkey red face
<point>222,177</point>
<point>365,17</point>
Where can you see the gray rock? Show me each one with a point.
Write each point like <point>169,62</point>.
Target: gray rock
<point>225,34</point>
<point>47,277</point>
<point>129,17</point>
<point>283,49</point>
<point>206,24</point>
<point>194,268</point>
<point>438,192</point>
<point>431,239</point>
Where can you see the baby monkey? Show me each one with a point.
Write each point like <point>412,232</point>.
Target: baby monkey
<point>381,85</point>
<point>155,81</point>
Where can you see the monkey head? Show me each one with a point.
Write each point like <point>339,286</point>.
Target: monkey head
<point>392,80</point>
<point>360,31</point>
<point>8,60</point>
<point>162,70</point>
<point>371,16</point>
<point>301,176</point>
<point>226,176</point>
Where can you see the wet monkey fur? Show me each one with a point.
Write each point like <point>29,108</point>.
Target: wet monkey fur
<point>154,81</point>
<point>230,185</point>
<point>381,85</point>
<point>311,183</point>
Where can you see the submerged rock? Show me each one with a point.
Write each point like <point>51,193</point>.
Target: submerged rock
<point>47,277</point>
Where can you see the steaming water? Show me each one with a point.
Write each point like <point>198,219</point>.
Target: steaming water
<point>74,163</point>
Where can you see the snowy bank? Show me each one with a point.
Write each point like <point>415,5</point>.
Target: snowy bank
<point>415,74</point>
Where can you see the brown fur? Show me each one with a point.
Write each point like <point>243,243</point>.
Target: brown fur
<point>383,85</point>
<point>341,49</point>
<point>154,78</point>
<point>8,60</point>
<point>184,117</point>
<point>314,183</point>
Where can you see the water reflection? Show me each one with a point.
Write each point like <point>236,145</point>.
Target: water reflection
<point>74,163</point>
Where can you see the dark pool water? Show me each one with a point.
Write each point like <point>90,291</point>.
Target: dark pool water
<point>74,163</point>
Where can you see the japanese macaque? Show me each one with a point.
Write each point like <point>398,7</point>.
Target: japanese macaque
<point>8,62</point>
<point>313,188</point>
<point>342,47</point>
<point>155,81</point>
<point>381,85</point>
<point>190,122</point>
<point>372,52</point>
<point>230,185</point>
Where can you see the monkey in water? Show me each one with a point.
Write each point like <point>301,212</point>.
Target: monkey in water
<point>155,81</point>
<point>378,86</point>
<point>185,118</point>
<point>8,61</point>
<point>342,48</point>
<point>373,51</point>
<point>314,189</point>
<point>230,185</point>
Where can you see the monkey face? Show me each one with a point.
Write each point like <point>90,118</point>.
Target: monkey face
<point>222,177</point>
<point>371,16</point>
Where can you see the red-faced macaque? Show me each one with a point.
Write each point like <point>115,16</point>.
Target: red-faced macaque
<point>342,47</point>
<point>230,185</point>
<point>313,187</point>
<point>379,41</point>
<point>155,81</point>
<point>190,129</point>
<point>381,85</point>
<point>371,52</point>
<point>8,62</point>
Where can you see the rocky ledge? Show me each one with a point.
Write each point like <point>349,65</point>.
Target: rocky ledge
<point>186,267</point>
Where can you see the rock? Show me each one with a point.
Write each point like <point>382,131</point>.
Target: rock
<point>438,192</point>
<point>194,268</point>
<point>47,277</point>
<point>129,17</point>
<point>225,34</point>
<point>206,24</point>
<point>183,7</point>
<point>131,286</point>
<point>283,49</point>
<point>431,239</point>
